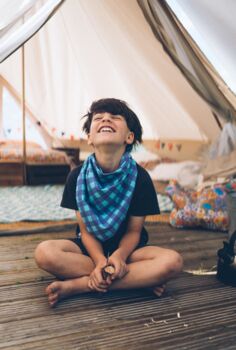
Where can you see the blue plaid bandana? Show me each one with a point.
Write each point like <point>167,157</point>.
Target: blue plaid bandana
<point>103,198</point>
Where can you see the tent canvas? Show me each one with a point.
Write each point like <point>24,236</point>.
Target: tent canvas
<point>94,49</point>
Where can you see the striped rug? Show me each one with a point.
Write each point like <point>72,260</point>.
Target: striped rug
<point>42,203</point>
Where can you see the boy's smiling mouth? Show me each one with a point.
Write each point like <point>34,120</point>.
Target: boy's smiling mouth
<point>106,129</point>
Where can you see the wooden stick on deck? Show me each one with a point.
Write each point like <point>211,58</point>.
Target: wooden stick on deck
<point>23,113</point>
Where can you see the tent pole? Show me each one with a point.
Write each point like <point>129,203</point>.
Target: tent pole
<point>17,98</point>
<point>23,113</point>
<point>1,109</point>
<point>217,120</point>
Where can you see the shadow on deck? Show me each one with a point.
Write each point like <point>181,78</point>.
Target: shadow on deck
<point>197,312</point>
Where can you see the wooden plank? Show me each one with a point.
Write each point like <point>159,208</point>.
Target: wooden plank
<point>93,321</point>
<point>139,304</point>
<point>11,174</point>
<point>196,312</point>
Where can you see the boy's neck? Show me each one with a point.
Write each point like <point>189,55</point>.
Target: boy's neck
<point>109,160</point>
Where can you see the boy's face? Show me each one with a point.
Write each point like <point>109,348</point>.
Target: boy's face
<point>109,129</point>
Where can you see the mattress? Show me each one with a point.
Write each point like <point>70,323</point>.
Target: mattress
<point>35,154</point>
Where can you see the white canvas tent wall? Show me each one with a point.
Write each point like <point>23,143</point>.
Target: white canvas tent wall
<point>92,49</point>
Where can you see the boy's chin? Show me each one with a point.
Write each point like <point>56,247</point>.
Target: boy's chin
<point>109,145</point>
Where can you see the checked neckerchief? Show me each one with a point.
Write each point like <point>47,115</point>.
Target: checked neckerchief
<point>103,198</point>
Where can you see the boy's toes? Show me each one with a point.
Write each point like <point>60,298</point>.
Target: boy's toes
<point>52,288</point>
<point>159,290</point>
<point>52,292</point>
<point>53,302</point>
<point>52,297</point>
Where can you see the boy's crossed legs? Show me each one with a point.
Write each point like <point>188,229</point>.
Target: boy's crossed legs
<point>149,266</point>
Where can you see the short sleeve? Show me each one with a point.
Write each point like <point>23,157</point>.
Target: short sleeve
<point>69,193</point>
<point>144,201</point>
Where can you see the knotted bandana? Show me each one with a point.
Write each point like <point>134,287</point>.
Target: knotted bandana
<point>103,198</point>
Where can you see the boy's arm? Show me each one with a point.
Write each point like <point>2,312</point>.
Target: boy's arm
<point>131,239</point>
<point>94,248</point>
<point>127,245</point>
<point>92,245</point>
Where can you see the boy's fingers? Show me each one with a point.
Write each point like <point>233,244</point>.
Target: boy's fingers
<point>124,271</point>
<point>117,272</point>
<point>99,282</point>
<point>98,277</point>
<point>121,271</point>
<point>109,279</point>
<point>102,285</point>
<point>100,289</point>
<point>93,286</point>
<point>90,284</point>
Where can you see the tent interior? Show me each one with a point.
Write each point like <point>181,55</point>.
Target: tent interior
<point>147,58</point>
<point>59,56</point>
<point>174,65</point>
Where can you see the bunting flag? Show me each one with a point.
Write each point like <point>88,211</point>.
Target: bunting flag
<point>48,127</point>
<point>54,130</point>
<point>158,144</point>
<point>179,146</point>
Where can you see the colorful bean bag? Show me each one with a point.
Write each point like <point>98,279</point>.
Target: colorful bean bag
<point>206,208</point>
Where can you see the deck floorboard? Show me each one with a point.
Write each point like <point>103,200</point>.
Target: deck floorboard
<point>196,312</point>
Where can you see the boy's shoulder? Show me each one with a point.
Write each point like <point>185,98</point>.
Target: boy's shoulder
<point>142,171</point>
<point>143,174</point>
<point>74,173</point>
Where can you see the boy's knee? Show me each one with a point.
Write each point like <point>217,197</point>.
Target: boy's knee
<point>174,263</point>
<point>44,254</point>
<point>177,262</point>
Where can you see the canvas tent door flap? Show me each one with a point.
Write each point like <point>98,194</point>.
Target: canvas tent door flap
<point>95,49</point>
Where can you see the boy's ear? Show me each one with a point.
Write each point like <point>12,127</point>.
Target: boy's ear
<point>89,141</point>
<point>130,138</point>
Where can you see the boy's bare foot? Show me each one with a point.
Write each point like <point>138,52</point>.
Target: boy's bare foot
<point>159,290</point>
<point>59,290</point>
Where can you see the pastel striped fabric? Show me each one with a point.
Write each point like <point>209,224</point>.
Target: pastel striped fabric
<point>103,198</point>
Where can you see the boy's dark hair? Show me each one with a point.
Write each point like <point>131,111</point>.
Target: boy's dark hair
<point>115,107</point>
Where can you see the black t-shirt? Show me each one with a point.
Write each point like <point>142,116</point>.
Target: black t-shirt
<point>144,199</point>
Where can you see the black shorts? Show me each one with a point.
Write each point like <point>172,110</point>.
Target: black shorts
<point>109,246</point>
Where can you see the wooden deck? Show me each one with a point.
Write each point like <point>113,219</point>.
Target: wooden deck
<point>197,312</point>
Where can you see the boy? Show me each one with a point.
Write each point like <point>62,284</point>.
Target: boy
<point>111,195</point>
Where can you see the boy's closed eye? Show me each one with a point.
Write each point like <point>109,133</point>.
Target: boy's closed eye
<point>116,117</point>
<point>100,117</point>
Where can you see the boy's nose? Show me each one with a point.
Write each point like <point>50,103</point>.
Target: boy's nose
<point>106,117</point>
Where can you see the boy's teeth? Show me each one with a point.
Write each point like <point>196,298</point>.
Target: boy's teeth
<point>106,129</point>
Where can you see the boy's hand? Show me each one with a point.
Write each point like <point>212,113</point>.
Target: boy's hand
<point>121,268</point>
<point>96,281</point>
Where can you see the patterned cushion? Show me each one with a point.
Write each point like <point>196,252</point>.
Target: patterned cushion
<point>34,156</point>
<point>205,208</point>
